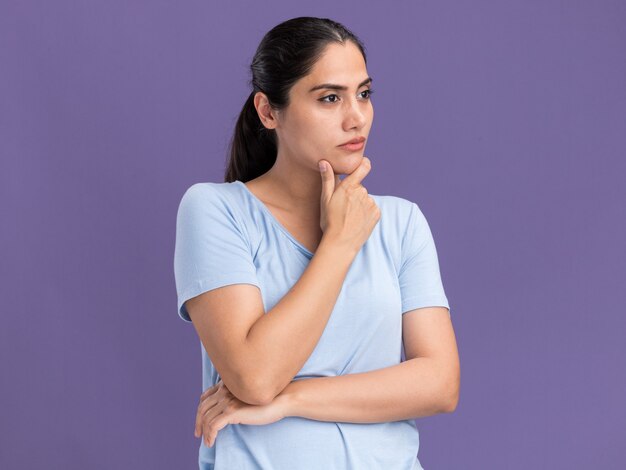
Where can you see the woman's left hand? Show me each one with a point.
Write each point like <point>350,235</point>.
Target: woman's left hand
<point>219,407</point>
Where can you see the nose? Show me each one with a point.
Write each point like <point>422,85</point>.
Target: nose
<point>355,115</point>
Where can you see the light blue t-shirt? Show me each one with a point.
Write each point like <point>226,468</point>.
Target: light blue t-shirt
<point>226,235</point>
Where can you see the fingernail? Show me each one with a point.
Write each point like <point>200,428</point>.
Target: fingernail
<point>322,166</point>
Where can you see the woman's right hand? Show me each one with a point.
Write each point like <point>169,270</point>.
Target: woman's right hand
<point>348,212</point>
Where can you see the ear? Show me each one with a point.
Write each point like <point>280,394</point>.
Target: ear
<point>267,114</point>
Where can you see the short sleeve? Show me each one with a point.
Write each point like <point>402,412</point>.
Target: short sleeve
<point>210,249</point>
<point>419,276</point>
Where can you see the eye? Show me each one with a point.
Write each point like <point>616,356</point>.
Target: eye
<point>328,96</point>
<point>369,92</point>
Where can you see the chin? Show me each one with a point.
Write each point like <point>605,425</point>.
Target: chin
<point>347,163</point>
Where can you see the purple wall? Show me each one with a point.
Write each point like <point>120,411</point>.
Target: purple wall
<point>110,110</point>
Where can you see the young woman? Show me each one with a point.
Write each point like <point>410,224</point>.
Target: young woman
<point>324,324</point>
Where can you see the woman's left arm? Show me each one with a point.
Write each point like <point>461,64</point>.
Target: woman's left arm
<point>425,384</point>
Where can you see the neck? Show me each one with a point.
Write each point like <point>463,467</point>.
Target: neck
<point>293,188</point>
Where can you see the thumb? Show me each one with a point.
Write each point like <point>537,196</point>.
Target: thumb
<point>328,180</point>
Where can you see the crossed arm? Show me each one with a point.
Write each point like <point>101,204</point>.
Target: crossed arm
<point>427,383</point>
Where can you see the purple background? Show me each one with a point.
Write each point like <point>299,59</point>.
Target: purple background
<point>505,121</point>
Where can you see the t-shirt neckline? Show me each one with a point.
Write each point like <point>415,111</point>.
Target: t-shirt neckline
<point>274,220</point>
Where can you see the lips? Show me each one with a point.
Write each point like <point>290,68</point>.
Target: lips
<point>356,140</point>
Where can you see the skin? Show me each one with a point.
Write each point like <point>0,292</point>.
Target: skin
<point>310,130</point>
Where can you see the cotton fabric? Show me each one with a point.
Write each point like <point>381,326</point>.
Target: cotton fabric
<point>226,235</point>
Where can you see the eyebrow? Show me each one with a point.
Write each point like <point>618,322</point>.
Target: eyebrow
<point>332,86</point>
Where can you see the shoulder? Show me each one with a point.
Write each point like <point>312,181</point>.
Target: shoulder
<point>397,209</point>
<point>401,220</point>
<point>221,210</point>
<point>206,203</point>
<point>205,196</point>
<point>203,192</point>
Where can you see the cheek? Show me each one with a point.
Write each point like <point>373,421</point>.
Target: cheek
<point>326,132</point>
<point>313,134</point>
<point>307,128</point>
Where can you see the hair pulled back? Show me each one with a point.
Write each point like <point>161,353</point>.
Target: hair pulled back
<point>286,53</point>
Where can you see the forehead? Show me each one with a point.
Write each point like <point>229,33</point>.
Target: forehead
<point>341,64</point>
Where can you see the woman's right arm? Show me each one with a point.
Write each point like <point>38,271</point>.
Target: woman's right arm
<point>258,354</point>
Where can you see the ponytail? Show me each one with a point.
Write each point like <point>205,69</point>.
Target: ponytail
<point>252,148</point>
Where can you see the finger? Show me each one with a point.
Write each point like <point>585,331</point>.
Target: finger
<point>197,431</point>
<point>357,175</point>
<point>204,406</point>
<point>216,426</point>
<point>210,414</point>
<point>328,180</point>
<point>210,433</point>
<point>206,427</point>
